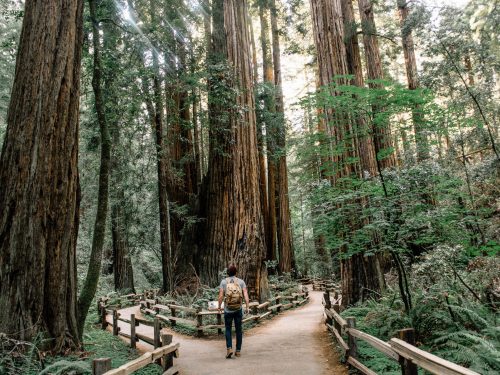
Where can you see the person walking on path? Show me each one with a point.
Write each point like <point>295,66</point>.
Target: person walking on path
<point>232,290</point>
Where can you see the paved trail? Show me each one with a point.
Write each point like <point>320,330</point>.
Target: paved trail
<point>296,342</point>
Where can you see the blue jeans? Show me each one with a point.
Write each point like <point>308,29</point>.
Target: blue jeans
<point>237,316</point>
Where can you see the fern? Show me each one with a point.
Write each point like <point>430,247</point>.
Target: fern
<point>67,367</point>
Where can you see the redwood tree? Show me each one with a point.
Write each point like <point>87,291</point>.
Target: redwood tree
<point>358,273</point>
<point>39,196</point>
<point>283,223</point>
<point>421,139</point>
<point>234,226</point>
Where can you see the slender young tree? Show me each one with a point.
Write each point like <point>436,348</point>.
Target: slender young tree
<point>94,269</point>
<point>39,197</point>
<point>234,226</point>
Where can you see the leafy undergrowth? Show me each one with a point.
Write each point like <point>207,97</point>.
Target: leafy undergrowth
<point>449,320</point>
<point>97,344</point>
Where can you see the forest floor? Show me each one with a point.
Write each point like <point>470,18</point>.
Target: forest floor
<point>295,342</point>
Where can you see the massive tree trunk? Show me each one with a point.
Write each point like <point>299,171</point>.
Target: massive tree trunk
<point>283,223</point>
<point>39,195</point>
<point>421,140</point>
<point>94,270</point>
<point>234,228</point>
<point>381,132</point>
<point>358,273</point>
<point>268,110</point>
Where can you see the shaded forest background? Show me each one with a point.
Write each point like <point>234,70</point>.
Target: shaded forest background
<point>368,154</point>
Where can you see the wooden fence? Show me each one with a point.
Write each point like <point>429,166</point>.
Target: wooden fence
<point>399,349</point>
<point>163,355</point>
<point>196,318</point>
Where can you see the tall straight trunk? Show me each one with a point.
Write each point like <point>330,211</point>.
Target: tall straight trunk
<point>283,221</point>
<point>197,134</point>
<point>154,106</point>
<point>155,109</point>
<point>182,163</point>
<point>357,272</point>
<point>121,265</point>
<point>267,121</point>
<point>260,142</point>
<point>421,140</point>
<point>381,132</point>
<point>94,270</point>
<point>234,227</point>
<point>39,194</point>
<point>364,139</point>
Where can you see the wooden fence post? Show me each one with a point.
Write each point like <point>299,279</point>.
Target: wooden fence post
<point>115,323</point>
<point>172,312</point>
<point>219,322</point>
<point>133,338</point>
<point>104,322</point>
<point>326,298</point>
<point>407,366</point>
<point>351,342</point>
<point>278,300</point>
<point>199,322</point>
<point>336,324</point>
<point>156,334</point>
<point>101,365</point>
<point>167,360</point>
<point>254,309</point>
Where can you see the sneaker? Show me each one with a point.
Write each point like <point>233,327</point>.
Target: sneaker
<point>237,354</point>
<point>229,353</point>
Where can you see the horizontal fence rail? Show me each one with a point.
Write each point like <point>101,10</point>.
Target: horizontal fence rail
<point>401,349</point>
<point>170,313</point>
<point>163,355</point>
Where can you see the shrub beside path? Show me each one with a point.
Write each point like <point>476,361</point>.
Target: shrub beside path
<point>295,342</point>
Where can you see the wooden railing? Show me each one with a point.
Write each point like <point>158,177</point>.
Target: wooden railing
<point>163,355</point>
<point>170,313</point>
<point>401,349</point>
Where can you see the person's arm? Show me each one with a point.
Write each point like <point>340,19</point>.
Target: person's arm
<point>247,301</point>
<point>221,298</point>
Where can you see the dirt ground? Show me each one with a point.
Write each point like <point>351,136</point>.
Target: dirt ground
<point>296,342</point>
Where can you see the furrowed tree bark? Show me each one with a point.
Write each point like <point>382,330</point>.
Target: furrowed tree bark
<point>94,270</point>
<point>269,109</point>
<point>234,227</point>
<point>421,140</point>
<point>283,223</point>
<point>39,194</point>
<point>381,132</point>
<point>357,272</point>
<point>363,135</point>
<point>182,172</point>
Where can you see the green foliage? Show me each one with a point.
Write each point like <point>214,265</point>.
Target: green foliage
<point>448,320</point>
<point>27,359</point>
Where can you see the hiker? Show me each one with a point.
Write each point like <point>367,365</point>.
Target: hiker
<point>232,290</point>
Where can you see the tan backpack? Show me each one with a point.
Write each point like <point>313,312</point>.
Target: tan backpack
<point>234,294</point>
